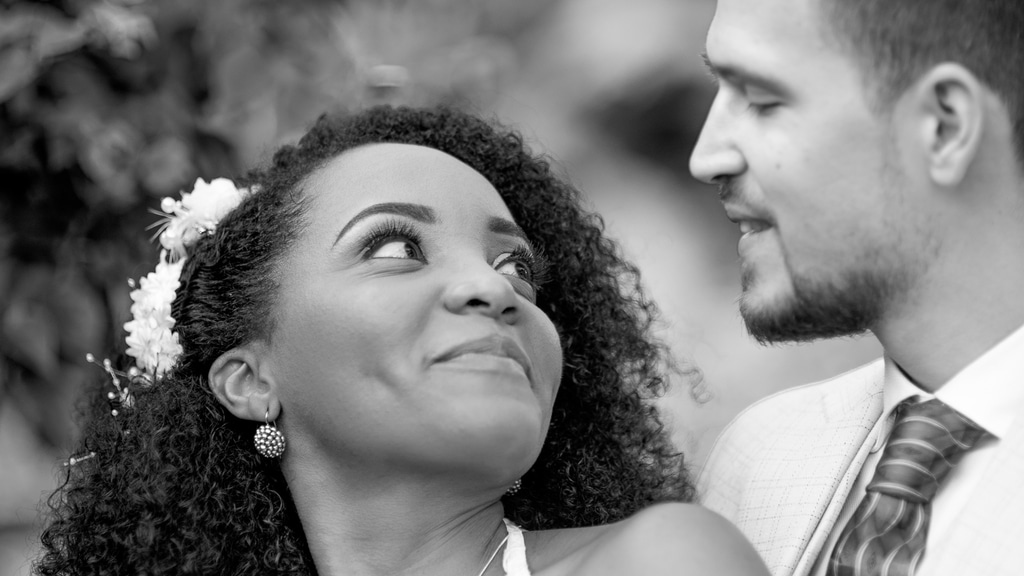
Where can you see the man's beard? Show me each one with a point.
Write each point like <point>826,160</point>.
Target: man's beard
<point>846,306</point>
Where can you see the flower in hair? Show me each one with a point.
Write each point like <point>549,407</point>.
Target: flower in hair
<point>151,338</point>
<point>156,289</point>
<point>197,212</point>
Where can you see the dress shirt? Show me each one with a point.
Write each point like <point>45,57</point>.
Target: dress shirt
<point>989,391</point>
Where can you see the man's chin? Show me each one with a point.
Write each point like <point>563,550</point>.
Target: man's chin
<point>806,316</point>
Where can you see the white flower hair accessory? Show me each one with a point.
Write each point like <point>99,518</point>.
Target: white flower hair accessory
<point>197,212</point>
<point>151,338</point>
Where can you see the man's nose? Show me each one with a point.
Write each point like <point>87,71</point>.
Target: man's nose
<point>716,154</point>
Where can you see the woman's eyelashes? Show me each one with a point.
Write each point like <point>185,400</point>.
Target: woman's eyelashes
<point>399,240</point>
<point>527,271</point>
<point>392,239</point>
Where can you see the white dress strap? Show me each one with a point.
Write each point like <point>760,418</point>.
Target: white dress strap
<point>514,560</point>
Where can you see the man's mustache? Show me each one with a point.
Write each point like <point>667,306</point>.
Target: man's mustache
<point>727,187</point>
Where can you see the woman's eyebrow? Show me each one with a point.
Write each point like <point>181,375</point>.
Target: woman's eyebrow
<point>500,225</point>
<point>417,212</point>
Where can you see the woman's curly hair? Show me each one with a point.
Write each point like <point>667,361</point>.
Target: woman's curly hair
<point>176,486</point>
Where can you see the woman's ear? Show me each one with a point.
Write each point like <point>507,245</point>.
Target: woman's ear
<point>240,386</point>
<point>952,104</point>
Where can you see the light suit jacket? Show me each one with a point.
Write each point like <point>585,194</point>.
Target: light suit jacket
<point>782,470</point>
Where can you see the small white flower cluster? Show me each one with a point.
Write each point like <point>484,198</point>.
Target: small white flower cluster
<point>151,338</point>
<point>197,212</point>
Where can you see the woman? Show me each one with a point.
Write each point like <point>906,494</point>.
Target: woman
<point>426,315</point>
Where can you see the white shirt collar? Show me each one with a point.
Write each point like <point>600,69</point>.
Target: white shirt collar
<point>989,391</point>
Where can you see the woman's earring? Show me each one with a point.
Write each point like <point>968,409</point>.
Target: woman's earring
<point>514,488</point>
<point>269,440</point>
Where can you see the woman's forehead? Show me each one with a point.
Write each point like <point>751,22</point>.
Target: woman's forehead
<point>391,172</point>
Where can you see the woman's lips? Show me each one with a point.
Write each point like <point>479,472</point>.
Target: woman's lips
<point>493,350</point>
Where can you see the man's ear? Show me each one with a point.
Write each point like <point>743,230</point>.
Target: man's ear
<point>240,385</point>
<point>951,103</point>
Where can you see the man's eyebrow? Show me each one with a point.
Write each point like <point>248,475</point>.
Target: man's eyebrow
<point>507,227</point>
<point>417,212</point>
<point>743,77</point>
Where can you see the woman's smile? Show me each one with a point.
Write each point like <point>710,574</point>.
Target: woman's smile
<point>495,353</point>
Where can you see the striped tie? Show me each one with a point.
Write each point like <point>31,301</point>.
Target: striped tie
<point>886,535</point>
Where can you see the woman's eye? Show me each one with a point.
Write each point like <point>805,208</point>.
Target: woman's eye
<point>506,264</point>
<point>519,268</point>
<point>396,248</point>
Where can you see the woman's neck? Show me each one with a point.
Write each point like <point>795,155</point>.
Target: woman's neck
<point>387,527</point>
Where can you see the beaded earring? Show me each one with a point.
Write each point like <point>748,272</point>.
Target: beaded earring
<point>514,488</point>
<point>269,440</point>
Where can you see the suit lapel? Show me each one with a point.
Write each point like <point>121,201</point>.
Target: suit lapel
<point>812,466</point>
<point>988,537</point>
<point>832,507</point>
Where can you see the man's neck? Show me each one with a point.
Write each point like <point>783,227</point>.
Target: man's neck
<point>943,331</point>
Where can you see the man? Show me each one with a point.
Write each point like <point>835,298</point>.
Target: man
<point>872,153</point>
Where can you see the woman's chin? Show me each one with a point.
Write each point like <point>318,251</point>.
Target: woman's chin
<point>496,453</point>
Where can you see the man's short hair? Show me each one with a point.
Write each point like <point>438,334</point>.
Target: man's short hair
<point>896,41</point>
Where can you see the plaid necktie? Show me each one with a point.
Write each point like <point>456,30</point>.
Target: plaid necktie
<point>886,535</point>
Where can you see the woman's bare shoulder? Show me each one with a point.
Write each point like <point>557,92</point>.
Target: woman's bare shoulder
<point>671,539</point>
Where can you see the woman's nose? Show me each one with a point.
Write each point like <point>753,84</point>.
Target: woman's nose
<point>716,155</point>
<point>480,289</point>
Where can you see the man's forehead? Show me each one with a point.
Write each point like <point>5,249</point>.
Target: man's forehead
<point>760,21</point>
<point>773,33</point>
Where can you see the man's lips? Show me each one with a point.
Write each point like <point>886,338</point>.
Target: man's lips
<point>749,222</point>
<point>751,226</point>
<point>493,345</point>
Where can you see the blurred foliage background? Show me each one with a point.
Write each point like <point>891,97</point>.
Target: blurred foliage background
<point>108,105</point>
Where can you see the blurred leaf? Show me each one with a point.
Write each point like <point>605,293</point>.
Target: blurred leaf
<point>245,85</point>
<point>79,93</point>
<point>51,321</point>
<point>47,403</point>
<point>165,166</point>
<point>108,157</point>
<point>28,22</point>
<point>123,30</point>
<point>81,315</point>
<point>6,265</point>
<point>28,36</point>
<point>62,151</point>
<point>16,150</point>
<point>30,336</point>
<point>30,332</point>
<point>54,37</point>
<point>18,68</point>
<point>11,27</point>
